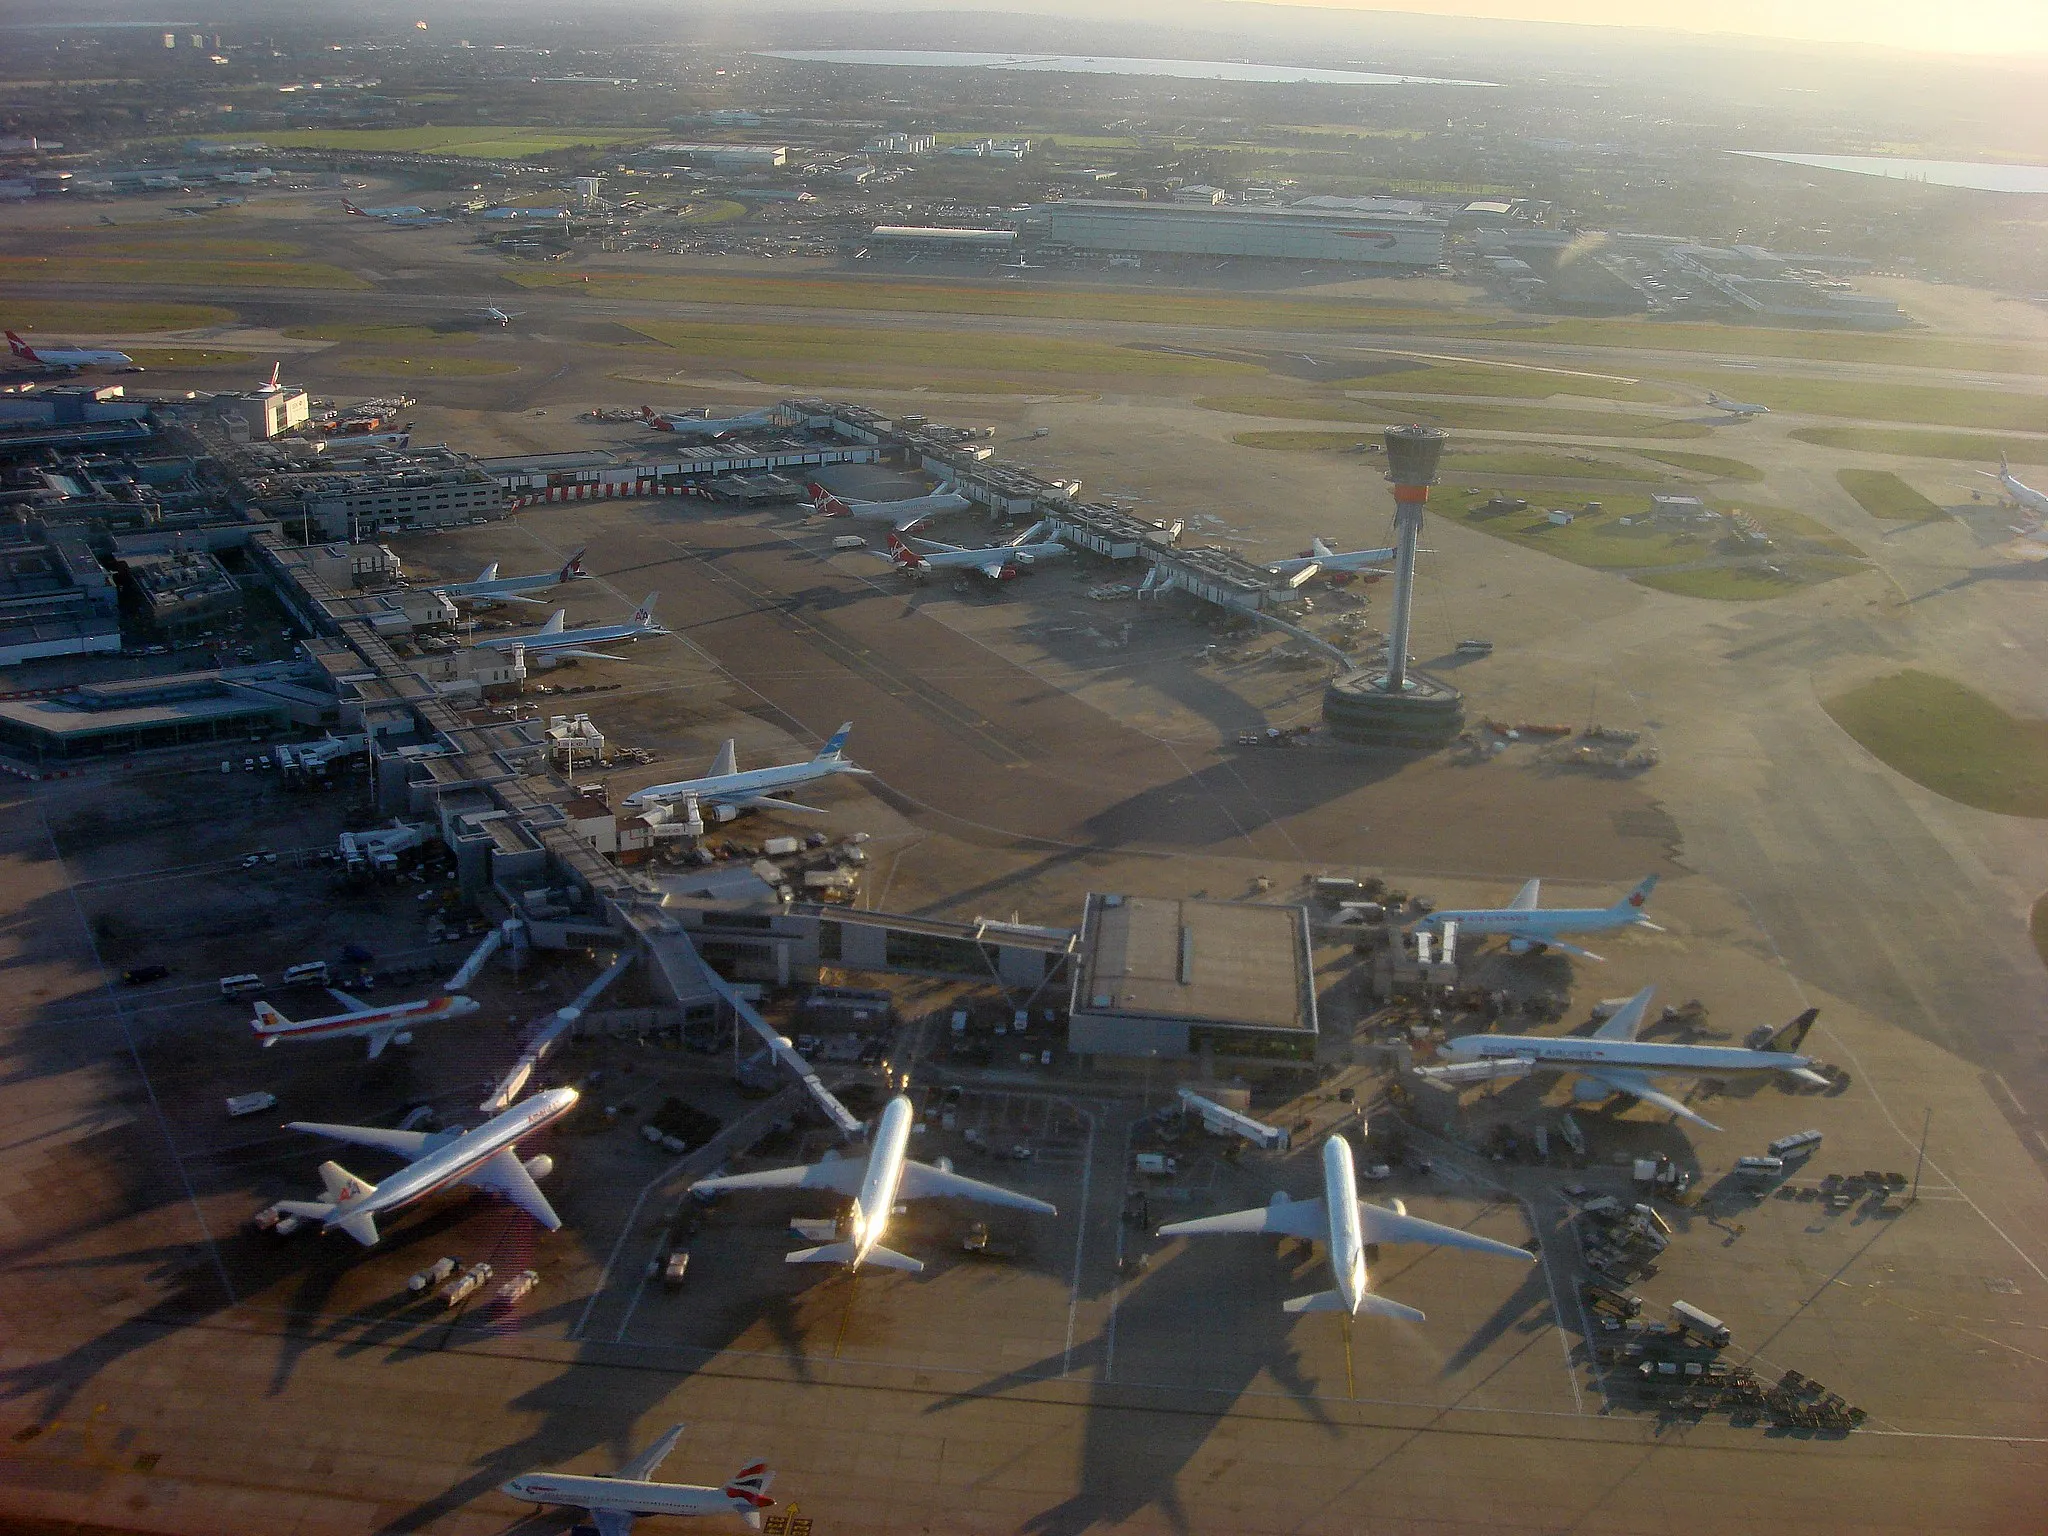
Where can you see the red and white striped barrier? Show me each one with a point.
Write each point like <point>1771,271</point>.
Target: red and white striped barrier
<point>603,491</point>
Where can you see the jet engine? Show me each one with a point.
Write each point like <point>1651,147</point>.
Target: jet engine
<point>540,1167</point>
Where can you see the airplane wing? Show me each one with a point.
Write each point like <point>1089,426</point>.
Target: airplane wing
<point>994,570</point>
<point>1637,1085</point>
<point>641,1467</point>
<point>1283,1218</point>
<point>1626,1020</point>
<point>506,1175</point>
<point>914,520</point>
<point>1559,945</point>
<point>756,801</point>
<point>842,1176</point>
<point>1527,897</point>
<point>921,1181</point>
<point>513,597</point>
<point>352,1004</point>
<point>406,1144</point>
<point>612,1522</point>
<point>1381,1225</point>
<point>379,1039</point>
<point>1806,1075</point>
<point>556,650</point>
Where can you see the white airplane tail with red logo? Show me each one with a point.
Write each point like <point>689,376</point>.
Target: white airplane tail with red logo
<point>748,1491</point>
<point>349,207</point>
<point>21,348</point>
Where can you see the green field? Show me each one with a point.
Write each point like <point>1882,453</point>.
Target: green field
<point>1706,464</point>
<point>718,211</point>
<point>1518,383</point>
<point>778,353</point>
<point>1917,404</point>
<point>1906,350</point>
<point>1479,417</point>
<point>60,317</point>
<point>192,357</point>
<point>1966,446</point>
<point>1746,583</point>
<point>423,367</point>
<point>180,247</point>
<point>199,271</point>
<point>1302,442</point>
<point>370,330</point>
<point>1553,466</point>
<point>1883,494</point>
<point>492,143</point>
<point>1950,739</point>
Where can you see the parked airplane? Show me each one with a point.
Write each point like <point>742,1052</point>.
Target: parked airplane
<point>489,586</point>
<point>1321,558</point>
<point>703,424</point>
<point>1001,562</point>
<point>553,640</point>
<point>380,1025</point>
<point>901,515</point>
<point>1739,408</point>
<point>407,212</point>
<point>876,1184</point>
<point>615,1501</point>
<point>1611,1060</point>
<point>490,314</point>
<point>484,1158</point>
<point>69,357</point>
<point>726,785</point>
<point>1528,926</point>
<point>1344,1224</point>
<point>2024,496</point>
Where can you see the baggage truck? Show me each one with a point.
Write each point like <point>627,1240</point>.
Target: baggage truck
<point>1701,1325</point>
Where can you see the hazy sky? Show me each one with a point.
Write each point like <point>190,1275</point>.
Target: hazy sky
<point>1951,26</point>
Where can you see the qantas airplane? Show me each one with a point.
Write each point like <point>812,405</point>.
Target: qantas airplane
<point>383,1026</point>
<point>1344,1224</point>
<point>485,1158</point>
<point>704,425</point>
<point>1528,926</point>
<point>1001,562</point>
<point>727,785</point>
<point>614,1501</point>
<point>1611,1060</point>
<point>902,515</point>
<point>70,357</point>
<point>876,1184</point>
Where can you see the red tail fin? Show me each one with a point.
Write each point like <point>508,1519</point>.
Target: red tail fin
<point>349,207</point>
<point>20,348</point>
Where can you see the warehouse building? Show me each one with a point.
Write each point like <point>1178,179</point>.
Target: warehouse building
<point>911,239</point>
<point>1392,239</point>
<point>1158,977</point>
<point>723,157</point>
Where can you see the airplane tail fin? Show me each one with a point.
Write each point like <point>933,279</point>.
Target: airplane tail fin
<point>748,1490</point>
<point>889,1258</point>
<point>827,504</point>
<point>556,622</point>
<point>644,614</point>
<point>349,207</point>
<point>829,1253</point>
<point>1640,896</point>
<point>1793,1035</point>
<point>835,749</point>
<point>574,566</point>
<point>343,1190</point>
<point>269,1024</point>
<point>2004,465</point>
<point>19,347</point>
<point>275,369</point>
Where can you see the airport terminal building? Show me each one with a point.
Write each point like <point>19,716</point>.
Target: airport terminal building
<point>1386,238</point>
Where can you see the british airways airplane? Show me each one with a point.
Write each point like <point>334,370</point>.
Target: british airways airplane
<point>1528,926</point>
<point>615,1501</point>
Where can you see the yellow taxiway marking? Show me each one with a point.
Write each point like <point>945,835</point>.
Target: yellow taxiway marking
<point>852,1286</point>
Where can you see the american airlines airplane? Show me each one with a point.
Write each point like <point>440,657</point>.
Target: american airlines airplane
<point>489,586</point>
<point>1611,1060</point>
<point>615,1501</point>
<point>876,1184</point>
<point>901,515</point>
<point>1322,559</point>
<point>1344,1224</point>
<point>1001,562</point>
<point>686,425</point>
<point>1528,926</point>
<point>394,1022</point>
<point>1739,408</point>
<point>553,640</point>
<point>725,784</point>
<point>486,1158</point>
<point>69,357</point>
<point>2023,495</point>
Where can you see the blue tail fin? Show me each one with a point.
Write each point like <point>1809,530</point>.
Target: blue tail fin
<point>836,747</point>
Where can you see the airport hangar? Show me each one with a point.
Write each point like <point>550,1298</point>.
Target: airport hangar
<point>1392,238</point>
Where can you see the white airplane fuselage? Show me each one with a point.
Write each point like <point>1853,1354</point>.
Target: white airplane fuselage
<point>1534,926</point>
<point>1347,1237</point>
<point>2024,495</point>
<point>621,1496</point>
<point>446,1164</point>
<point>872,1207</point>
<point>367,1021</point>
<point>755,781</point>
<point>1648,1056</point>
<point>568,639</point>
<point>894,511</point>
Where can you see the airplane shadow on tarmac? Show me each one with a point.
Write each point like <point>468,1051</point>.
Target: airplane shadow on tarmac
<point>1237,796</point>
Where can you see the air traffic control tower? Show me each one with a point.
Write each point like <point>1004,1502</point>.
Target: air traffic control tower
<point>1392,706</point>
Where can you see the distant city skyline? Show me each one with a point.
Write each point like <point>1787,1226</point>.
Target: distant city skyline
<point>1995,27</point>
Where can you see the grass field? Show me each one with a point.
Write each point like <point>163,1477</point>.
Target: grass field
<point>369,330</point>
<point>1968,446</point>
<point>1950,739</point>
<point>1916,351</point>
<point>423,367</point>
<point>779,353</point>
<point>180,247</point>
<point>1746,583</point>
<point>1442,413</point>
<point>1516,383</point>
<point>1871,400</point>
<point>1604,541</point>
<point>1706,464</point>
<point>721,210</point>
<point>193,357</point>
<point>199,271</point>
<point>61,317</point>
<point>1883,494</point>
<point>492,143</point>
<point>1555,466</point>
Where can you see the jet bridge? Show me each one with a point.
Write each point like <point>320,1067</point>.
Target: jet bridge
<point>1217,1118</point>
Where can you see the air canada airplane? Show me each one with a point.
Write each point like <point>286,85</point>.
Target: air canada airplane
<point>1528,926</point>
<point>1345,1224</point>
<point>1612,1060</point>
<point>615,1500</point>
<point>1736,407</point>
<point>876,1184</point>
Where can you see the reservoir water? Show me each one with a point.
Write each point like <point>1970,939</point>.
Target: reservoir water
<point>1977,176</point>
<point>1173,69</point>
